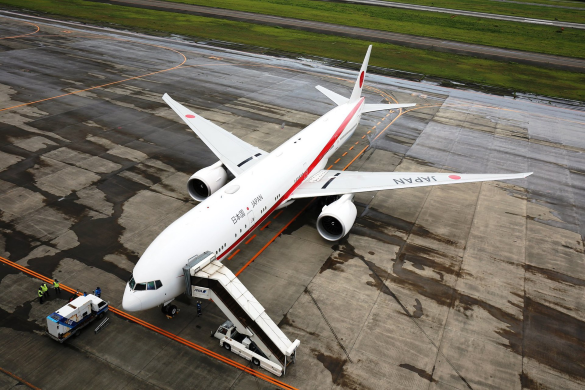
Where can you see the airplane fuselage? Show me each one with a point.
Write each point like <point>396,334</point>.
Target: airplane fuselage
<point>223,220</point>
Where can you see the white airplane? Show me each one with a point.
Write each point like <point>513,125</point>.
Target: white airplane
<point>265,182</point>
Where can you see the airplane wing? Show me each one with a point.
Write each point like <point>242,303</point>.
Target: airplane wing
<point>235,154</point>
<point>326,183</point>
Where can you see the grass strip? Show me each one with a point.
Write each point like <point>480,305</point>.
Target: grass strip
<point>517,77</point>
<point>504,34</point>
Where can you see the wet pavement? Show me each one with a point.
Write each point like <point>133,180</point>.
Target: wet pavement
<point>470,286</point>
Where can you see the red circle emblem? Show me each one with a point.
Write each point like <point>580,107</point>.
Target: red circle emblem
<point>454,177</point>
<point>190,116</point>
<point>362,79</point>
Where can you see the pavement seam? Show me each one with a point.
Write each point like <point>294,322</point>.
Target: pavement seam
<point>19,379</point>
<point>328,324</point>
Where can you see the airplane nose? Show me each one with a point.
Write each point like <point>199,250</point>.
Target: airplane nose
<point>130,302</point>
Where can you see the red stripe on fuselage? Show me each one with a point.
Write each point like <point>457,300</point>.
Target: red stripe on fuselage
<point>298,182</point>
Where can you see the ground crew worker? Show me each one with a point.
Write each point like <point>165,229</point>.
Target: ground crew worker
<point>56,287</point>
<point>40,293</point>
<point>198,309</point>
<point>98,292</point>
<point>45,290</point>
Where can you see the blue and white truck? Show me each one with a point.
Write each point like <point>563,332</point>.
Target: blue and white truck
<point>76,315</point>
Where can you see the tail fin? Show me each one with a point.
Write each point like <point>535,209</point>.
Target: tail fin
<point>357,88</point>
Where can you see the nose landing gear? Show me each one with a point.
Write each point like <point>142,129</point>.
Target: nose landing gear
<point>169,310</point>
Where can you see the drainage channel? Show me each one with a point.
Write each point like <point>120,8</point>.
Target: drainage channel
<point>161,331</point>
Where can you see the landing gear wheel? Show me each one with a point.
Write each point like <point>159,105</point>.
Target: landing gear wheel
<point>227,346</point>
<point>172,310</point>
<point>256,362</point>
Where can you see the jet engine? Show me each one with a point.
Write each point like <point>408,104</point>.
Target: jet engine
<point>206,181</point>
<point>336,219</point>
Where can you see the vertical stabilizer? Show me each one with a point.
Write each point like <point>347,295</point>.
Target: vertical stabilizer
<point>357,89</point>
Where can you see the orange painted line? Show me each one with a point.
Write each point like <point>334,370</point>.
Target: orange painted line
<point>249,239</point>
<point>331,166</point>
<point>369,131</point>
<point>265,226</point>
<point>19,379</point>
<point>351,147</point>
<point>355,158</point>
<point>236,252</point>
<point>373,127</point>
<point>161,331</point>
<point>363,136</point>
<point>276,216</point>
<point>355,143</point>
<point>24,35</point>
<point>104,85</point>
<point>343,155</point>
<point>378,123</point>
<point>336,161</point>
<point>273,238</point>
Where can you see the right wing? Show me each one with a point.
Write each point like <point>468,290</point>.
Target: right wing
<point>326,183</point>
<point>235,154</point>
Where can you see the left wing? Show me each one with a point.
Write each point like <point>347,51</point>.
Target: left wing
<point>235,154</point>
<point>326,183</point>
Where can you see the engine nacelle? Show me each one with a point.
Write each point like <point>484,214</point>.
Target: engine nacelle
<point>206,181</point>
<point>336,219</point>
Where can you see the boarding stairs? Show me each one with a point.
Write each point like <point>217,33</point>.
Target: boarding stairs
<point>207,278</point>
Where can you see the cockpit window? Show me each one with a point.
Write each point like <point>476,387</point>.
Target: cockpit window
<point>155,285</point>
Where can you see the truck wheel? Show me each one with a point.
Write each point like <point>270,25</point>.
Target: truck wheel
<point>100,316</point>
<point>256,362</point>
<point>227,346</point>
<point>77,332</point>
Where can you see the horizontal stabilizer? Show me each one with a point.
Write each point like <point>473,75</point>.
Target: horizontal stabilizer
<point>337,98</point>
<point>380,107</point>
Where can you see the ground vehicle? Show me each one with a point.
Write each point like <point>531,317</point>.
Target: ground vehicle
<point>240,344</point>
<point>77,314</point>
